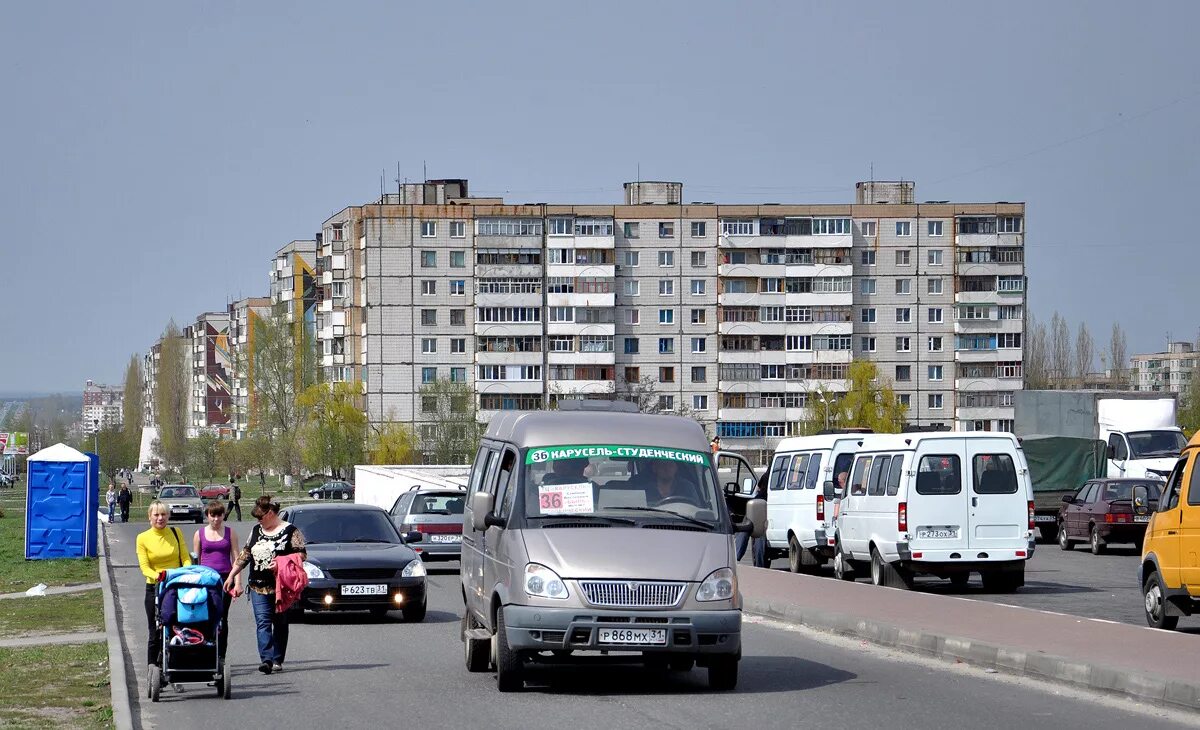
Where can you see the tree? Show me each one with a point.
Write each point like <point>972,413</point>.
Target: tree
<point>132,406</point>
<point>203,455</point>
<point>453,436</point>
<point>1085,352</point>
<point>116,451</point>
<point>869,402</point>
<point>1118,354</point>
<point>392,443</point>
<point>231,456</point>
<point>1036,356</point>
<point>284,366</point>
<point>334,430</point>
<point>1060,349</point>
<point>171,401</point>
<point>1189,412</point>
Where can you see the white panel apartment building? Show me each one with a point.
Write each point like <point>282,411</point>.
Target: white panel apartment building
<point>733,314</point>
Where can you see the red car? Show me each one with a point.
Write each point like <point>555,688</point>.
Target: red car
<point>215,491</point>
<point>1102,512</point>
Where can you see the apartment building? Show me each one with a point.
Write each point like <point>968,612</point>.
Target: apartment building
<point>733,314</point>
<point>207,340</point>
<point>1169,371</point>
<point>243,314</point>
<point>102,406</point>
<point>150,362</point>
<point>294,291</point>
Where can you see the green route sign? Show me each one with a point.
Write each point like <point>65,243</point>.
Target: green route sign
<point>614,451</point>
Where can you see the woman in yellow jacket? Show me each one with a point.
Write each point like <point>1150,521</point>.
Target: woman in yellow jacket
<point>159,548</point>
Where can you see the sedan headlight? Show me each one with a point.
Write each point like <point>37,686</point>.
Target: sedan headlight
<point>313,571</point>
<point>720,585</point>
<point>542,582</point>
<point>415,569</point>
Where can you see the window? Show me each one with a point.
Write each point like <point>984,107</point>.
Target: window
<point>904,257</point>
<point>975,312</point>
<point>933,286</point>
<point>666,287</point>
<point>632,258</point>
<point>903,228</point>
<point>632,316</point>
<point>562,314</point>
<point>1004,424</point>
<point>338,289</point>
<point>858,478</point>
<point>699,374</point>
<point>428,317</point>
<point>699,259</point>
<point>593,227</point>
<point>458,259</point>
<point>866,286</point>
<point>631,346</point>
<point>830,226</point>
<point>458,317</point>
<point>458,229</point>
<point>994,474</point>
<point>666,375</point>
<point>903,344</point>
<point>935,315</point>
<point>666,230</point>
<point>868,344</point>
<point>633,288</point>
<point>773,285</point>
<point>903,373</point>
<point>935,344</point>
<point>428,259</point>
<point>935,256</point>
<point>632,229</point>
<point>798,343</point>
<point>868,258</point>
<point>904,286</point>
<point>1010,284</point>
<point>698,287</point>
<point>666,316</point>
<point>699,402</point>
<point>508,227</point>
<point>458,287</point>
<point>905,400</point>
<point>698,316</point>
<point>1009,311</point>
<point>666,345</point>
<point>975,224</point>
<point>868,228</point>
<point>903,314</point>
<point>428,345</point>
<point>428,229</point>
<point>698,229</point>
<point>559,227</point>
<point>428,375</point>
<point>878,480</point>
<point>1010,224</point>
<point>666,258</point>
<point>458,344</point>
<point>428,287</point>
<point>935,372</point>
<point>737,227</point>
<point>867,315</point>
<point>1010,341</point>
<point>934,228</point>
<point>429,403</point>
<point>699,344</point>
<point>939,475</point>
<point>935,401</point>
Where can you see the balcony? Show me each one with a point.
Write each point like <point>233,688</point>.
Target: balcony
<point>752,271</point>
<point>581,358</point>
<point>580,299</point>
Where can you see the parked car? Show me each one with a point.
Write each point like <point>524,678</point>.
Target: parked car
<point>184,502</point>
<point>214,491</point>
<point>1168,572</point>
<point>333,490</point>
<point>1102,512</point>
<point>358,561</point>
<point>437,514</point>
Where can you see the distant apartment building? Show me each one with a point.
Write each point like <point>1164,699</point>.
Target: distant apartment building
<point>242,317</point>
<point>294,283</point>
<point>1169,371</point>
<point>102,406</point>
<point>150,364</point>
<point>207,340</point>
<point>733,314</point>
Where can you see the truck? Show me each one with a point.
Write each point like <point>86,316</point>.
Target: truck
<point>1071,436</point>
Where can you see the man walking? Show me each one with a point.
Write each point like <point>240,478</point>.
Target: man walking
<point>235,499</point>
<point>124,501</point>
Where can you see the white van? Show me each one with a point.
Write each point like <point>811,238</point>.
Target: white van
<point>944,504</point>
<point>799,504</point>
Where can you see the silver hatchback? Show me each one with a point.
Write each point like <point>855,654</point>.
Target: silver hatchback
<point>590,529</point>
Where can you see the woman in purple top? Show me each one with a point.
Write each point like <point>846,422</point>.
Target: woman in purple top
<point>215,545</point>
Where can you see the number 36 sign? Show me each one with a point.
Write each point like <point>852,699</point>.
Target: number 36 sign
<point>565,499</point>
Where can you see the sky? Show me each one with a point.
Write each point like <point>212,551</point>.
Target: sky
<point>153,156</point>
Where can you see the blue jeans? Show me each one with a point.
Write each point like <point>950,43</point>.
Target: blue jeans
<point>760,553</point>
<point>743,541</point>
<point>272,628</point>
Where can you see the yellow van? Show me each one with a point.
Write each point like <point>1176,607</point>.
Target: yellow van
<point>1169,571</point>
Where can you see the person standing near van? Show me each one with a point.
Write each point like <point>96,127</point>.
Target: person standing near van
<point>215,546</point>
<point>158,548</point>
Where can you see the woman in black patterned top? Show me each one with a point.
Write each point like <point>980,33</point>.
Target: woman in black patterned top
<point>270,538</point>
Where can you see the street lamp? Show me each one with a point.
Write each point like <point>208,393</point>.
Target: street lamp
<point>96,435</point>
<point>827,404</point>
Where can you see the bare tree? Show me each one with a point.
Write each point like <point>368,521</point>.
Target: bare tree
<point>1061,354</point>
<point>171,402</point>
<point>1037,357</point>
<point>1118,354</point>
<point>1085,352</point>
<point>131,407</point>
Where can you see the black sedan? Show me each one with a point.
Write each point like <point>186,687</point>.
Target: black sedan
<point>358,561</point>
<point>333,490</point>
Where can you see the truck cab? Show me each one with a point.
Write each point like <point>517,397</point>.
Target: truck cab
<point>1149,453</point>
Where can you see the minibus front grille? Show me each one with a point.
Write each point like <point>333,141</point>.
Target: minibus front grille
<point>632,593</point>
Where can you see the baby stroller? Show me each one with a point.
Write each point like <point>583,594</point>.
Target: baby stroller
<point>189,602</point>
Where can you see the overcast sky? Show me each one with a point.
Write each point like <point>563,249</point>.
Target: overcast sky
<point>155,155</point>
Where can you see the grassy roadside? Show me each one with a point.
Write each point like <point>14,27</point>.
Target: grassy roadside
<point>63,614</point>
<point>55,687</point>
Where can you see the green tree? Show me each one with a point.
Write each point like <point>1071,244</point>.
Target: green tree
<point>1189,412</point>
<point>115,449</point>
<point>132,407</point>
<point>203,455</point>
<point>171,401</point>
<point>232,456</point>
<point>284,367</point>
<point>392,443</point>
<point>453,436</point>
<point>869,402</point>
<point>334,430</point>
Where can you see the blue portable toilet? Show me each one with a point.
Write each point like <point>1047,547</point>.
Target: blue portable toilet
<point>60,511</point>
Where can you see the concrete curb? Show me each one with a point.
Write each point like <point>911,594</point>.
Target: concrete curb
<point>1144,687</point>
<point>118,684</point>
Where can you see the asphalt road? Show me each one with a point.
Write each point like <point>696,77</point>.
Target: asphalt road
<point>350,670</point>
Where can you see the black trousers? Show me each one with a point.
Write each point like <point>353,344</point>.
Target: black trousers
<point>154,637</point>
<point>235,506</point>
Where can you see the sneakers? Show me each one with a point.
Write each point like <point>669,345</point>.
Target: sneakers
<point>277,667</point>
<point>265,667</point>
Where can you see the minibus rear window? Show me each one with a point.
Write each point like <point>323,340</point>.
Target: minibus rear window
<point>939,474</point>
<point>795,478</point>
<point>814,471</point>
<point>994,474</point>
<point>893,482</point>
<point>778,471</point>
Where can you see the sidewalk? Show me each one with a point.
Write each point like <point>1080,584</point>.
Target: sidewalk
<point>1150,665</point>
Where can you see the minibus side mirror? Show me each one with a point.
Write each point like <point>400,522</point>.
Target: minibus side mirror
<point>1069,499</point>
<point>481,509</point>
<point>756,515</point>
<point>1140,500</point>
<point>831,490</point>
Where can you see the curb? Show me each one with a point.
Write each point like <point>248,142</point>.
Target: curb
<point>1035,665</point>
<point>117,682</point>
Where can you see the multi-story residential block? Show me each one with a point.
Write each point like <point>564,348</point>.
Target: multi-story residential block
<point>1165,371</point>
<point>243,316</point>
<point>150,363</point>
<point>733,314</point>
<point>294,288</point>
<point>102,406</point>
<point>207,340</point>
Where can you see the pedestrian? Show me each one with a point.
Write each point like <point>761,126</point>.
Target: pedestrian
<point>715,444</point>
<point>215,545</point>
<point>235,498</point>
<point>124,501</point>
<point>111,496</point>
<point>760,543</point>
<point>271,538</point>
<point>158,548</point>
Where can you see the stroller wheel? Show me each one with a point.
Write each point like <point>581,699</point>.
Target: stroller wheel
<point>155,682</point>
<point>226,685</point>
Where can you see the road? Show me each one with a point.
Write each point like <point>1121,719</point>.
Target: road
<point>347,669</point>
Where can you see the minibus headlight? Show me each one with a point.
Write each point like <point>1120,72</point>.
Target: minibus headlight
<point>720,585</point>
<point>542,582</point>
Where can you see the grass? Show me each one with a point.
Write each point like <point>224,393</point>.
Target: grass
<point>17,573</point>
<point>55,687</point>
<point>61,614</point>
